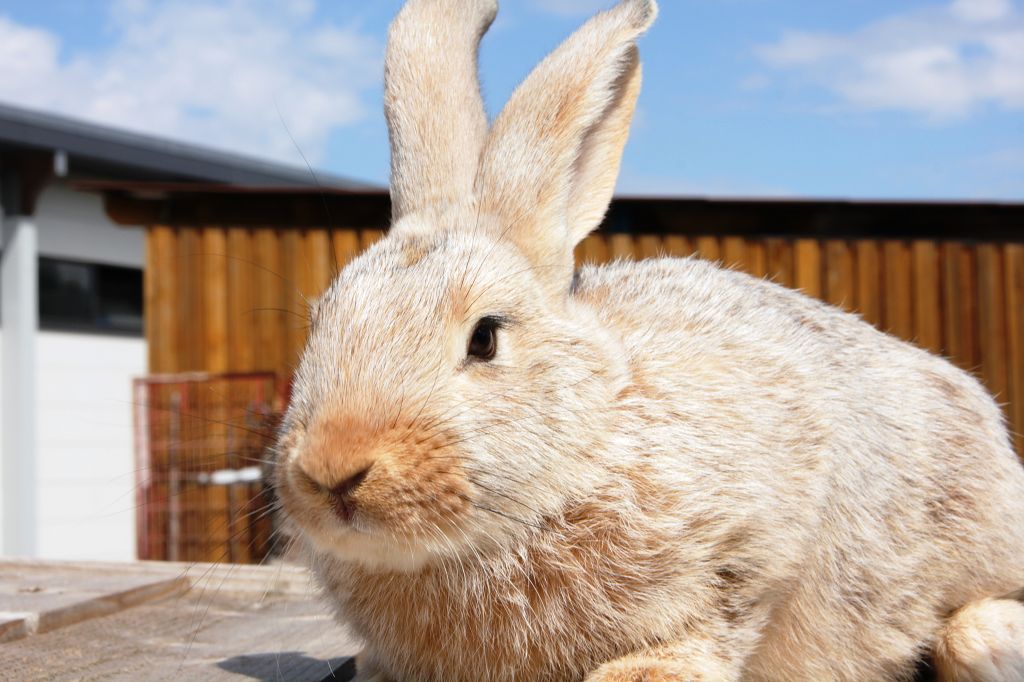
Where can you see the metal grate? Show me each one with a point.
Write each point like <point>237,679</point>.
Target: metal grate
<point>202,465</point>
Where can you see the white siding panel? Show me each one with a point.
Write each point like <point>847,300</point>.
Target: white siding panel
<point>1,441</point>
<point>86,468</point>
<point>74,225</point>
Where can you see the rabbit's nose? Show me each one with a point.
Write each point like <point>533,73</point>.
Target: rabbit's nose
<point>342,494</point>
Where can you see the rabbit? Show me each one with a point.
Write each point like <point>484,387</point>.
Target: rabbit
<point>503,468</point>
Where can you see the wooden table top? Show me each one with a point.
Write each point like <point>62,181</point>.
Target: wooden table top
<point>156,620</point>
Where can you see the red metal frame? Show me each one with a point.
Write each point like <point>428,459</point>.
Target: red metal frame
<point>167,408</point>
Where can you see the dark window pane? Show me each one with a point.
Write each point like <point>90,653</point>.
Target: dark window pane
<point>89,297</point>
<point>66,293</point>
<point>120,298</point>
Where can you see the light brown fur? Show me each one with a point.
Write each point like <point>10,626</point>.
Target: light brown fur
<point>668,471</point>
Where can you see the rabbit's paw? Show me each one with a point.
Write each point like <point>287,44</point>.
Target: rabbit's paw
<point>983,642</point>
<point>652,669</point>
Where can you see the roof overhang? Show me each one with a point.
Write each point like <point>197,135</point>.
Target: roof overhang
<point>141,203</point>
<point>110,152</point>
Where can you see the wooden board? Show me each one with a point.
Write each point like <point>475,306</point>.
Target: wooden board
<point>155,620</point>
<point>898,301</point>
<point>840,282</point>
<point>992,320</point>
<point>927,296</point>
<point>808,266</point>
<point>1015,337</point>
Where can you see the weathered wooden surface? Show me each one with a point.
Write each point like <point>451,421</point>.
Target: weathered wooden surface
<point>153,620</point>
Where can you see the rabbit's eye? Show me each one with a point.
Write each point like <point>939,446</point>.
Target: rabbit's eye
<point>483,344</point>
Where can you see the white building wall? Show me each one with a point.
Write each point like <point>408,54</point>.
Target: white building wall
<point>86,458</point>
<point>86,470</point>
<point>1,442</point>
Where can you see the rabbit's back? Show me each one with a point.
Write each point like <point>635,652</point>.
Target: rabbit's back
<point>873,482</point>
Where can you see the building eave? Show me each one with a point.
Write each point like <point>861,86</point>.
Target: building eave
<point>87,143</point>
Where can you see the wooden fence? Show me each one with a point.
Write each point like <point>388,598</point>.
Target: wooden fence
<point>232,299</point>
<point>229,269</point>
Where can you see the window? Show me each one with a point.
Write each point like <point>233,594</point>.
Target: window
<point>75,296</point>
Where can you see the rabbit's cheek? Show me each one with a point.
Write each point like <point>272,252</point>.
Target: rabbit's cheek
<point>413,502</point>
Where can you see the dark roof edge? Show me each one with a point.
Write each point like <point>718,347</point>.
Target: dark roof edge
<point>22,127</point>
<point>167,189</point>
<point>168,204</point>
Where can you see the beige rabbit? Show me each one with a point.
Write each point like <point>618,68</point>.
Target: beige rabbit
<point>646,471</point>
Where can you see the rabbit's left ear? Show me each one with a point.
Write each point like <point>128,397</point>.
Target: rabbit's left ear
<point>551,160</point>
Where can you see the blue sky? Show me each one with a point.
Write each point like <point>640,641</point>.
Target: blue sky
<point>847,98</point>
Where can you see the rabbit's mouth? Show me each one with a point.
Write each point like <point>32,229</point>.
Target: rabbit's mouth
<point>401,493</point>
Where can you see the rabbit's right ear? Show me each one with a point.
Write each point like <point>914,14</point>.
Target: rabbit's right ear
<point>432,101</point>
<point>551,160</point>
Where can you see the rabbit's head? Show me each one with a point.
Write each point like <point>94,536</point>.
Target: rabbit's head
<point>452,393</point>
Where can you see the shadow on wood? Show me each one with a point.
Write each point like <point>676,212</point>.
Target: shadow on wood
<point>268,667</point>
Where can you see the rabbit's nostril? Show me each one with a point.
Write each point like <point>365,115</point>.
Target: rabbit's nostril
<point>341,494</point>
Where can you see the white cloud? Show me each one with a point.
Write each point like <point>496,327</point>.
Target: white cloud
<point>572,8</point>
<point>209,72</point>
<point>943,62</point>
<point>981,10</point>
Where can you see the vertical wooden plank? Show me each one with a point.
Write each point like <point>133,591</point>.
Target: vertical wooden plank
<point>970,330</point>
<point>1014,259</point>
<point>161,287</point>
<point>215,299</point>
<point>147,483</point>
<point>868,296</point>
<point>949,255</point>
<point>319,259</point>
<point>620,245</point>
<point>757,257</point>
<point>596,248</point>
<point>150,276</point>
<point>927,295</point>
<point>231,397</point>
<point>992,318</point>
<point>189,295</point>
<point>649,246</point>
<point>345,244</point>
<point>296,318</point>
<point>734,250</point>
<point>897,310</point>
<point>269,307</point>
<point>369,237</point>
<point>840,278</point>
<point>161,278</point>
<point>678,245</point>
<point>708,247</point>
<point>206,531</point>
<point>960,304</point>
<point>780,261</point>
<point>592,249</point>
<point>193,417</point>
<point>808,266</point>
<point>231,400</point>
<point>241,302</point>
